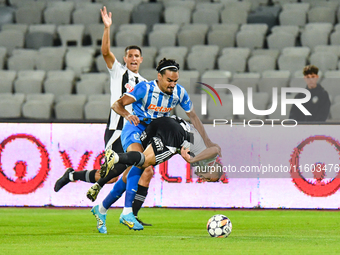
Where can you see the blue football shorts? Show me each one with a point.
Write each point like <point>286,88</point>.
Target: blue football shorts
<point>131,134</point>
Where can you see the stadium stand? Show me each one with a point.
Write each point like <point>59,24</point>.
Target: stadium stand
<point>65,36</point>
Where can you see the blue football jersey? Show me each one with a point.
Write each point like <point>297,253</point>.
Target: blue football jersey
<point>152,103</point>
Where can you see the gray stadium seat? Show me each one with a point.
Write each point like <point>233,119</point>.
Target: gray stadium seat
<point>7,80</point>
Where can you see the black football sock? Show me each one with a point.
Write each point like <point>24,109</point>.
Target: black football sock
<point>139,199</point>
<point>85,176</point>
<point>116,171</point>
<point>132,158</point>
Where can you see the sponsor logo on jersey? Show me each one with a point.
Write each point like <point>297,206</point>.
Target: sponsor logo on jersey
<point>129,88</point>
<point>159,108</point>
<point>158,143</point>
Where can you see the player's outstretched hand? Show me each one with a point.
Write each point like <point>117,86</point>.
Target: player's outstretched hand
<point>106,17</point>
<point>185,154</point>
<point>133,119</point>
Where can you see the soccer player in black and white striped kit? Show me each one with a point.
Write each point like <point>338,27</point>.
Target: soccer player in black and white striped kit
<point>123,78</point>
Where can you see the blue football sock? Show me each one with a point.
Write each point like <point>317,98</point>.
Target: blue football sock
<point>116,192</point>
<point>132,185</point>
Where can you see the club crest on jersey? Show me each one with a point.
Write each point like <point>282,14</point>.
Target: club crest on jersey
<point>129,88</point>
<point>158,143</point>
<point>136,136</point>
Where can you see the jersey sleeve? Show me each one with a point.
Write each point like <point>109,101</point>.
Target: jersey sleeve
<point>185,102</point>
<point>117,69</point>
<point>138,92</point>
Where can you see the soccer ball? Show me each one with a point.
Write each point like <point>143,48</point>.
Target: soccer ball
<point>219,226</point>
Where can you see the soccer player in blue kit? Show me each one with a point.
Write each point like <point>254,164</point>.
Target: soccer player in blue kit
<point>150,100</point>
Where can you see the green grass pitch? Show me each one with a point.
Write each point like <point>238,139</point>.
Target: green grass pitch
<point>174,231</point>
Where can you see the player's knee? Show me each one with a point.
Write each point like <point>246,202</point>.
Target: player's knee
<point>148,173</point>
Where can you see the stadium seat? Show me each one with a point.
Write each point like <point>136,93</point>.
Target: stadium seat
<point>260,63</point>
<point>213,77</point>
<point>194,61</point>
<point>233,28</point>
<point>70,106</point>
<point>313,38</point>
<point>206,16</point>
<point>273,79</point>
<point>324,61</point>
<point>243,52</point>
<point>121,12</point>
<point>177,15</point>
<point>174,28</point>
<point>188,38</point>
<point>268,52</point>
<point>147,13</point>
<point>246,80</point>
<point>124,38</point>
<point>293,17</point>
<point>296,6</point>
<point>335,38</point>
<point>3,56</point>
<point>29,81</point>
<point>161,38</point>
<point>221,38</point>
<point>6,15</point>
<point>97,110</point>
<point>300,51</point>
<point>96,34</point>
<point>292,29</point>
<point>36,40</point>
<point>7,80</point>
<point>28,15</point>
<point>71,34</point>
<point>291,62</point>
<point>86,13</point>
<point>148,73</point>
<point>79,60</point>
<point>149,54</point>
<point>334,49</point>
<point>188,79</point>
<point>58,12</point>
<point>11,104</point>
<point>19,27</point>
<point>335,111</point>
<point>234,15</point>
<point>332,74</point>
<point>280,40</point>
<point>12,39</point>
<point>217,111</point>
<point>321,14</point>
<point>331,85</point>
<point>189,4</point>
<point>89,87</point>
<point>70,109</point>
<point>22,59</point>
<point>50,58</point>
<point>38,106</point>
<point>250,39</point>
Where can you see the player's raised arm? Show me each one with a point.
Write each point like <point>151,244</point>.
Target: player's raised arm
<point>106,43</point>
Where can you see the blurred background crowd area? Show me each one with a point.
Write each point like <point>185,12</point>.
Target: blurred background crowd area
<point>51,68</point>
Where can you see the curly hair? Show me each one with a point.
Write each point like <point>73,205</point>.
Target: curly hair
<point>167,64</point>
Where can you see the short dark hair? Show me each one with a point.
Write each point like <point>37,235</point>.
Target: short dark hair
<point>133,47</point>
<point>167,64</point>
<point>310,69</point>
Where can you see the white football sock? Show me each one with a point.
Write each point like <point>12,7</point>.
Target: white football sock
<point>127,210</point>
<point>102,209</point>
